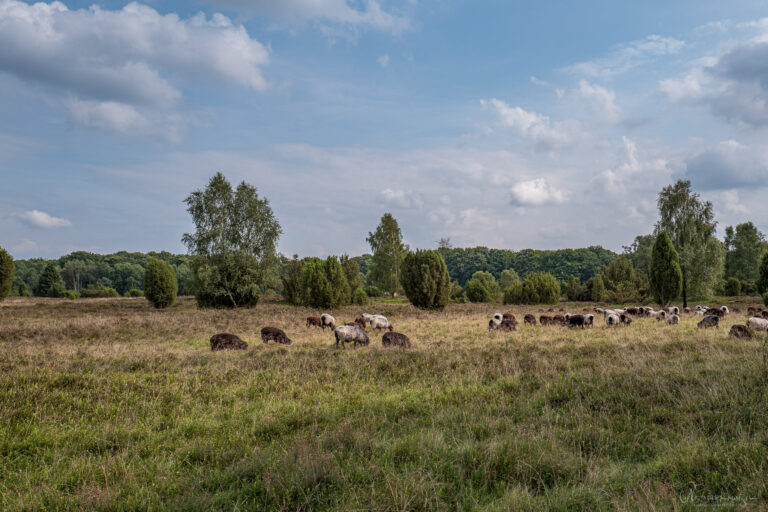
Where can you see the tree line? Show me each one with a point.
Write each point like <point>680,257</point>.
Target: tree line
<point>232,262</point>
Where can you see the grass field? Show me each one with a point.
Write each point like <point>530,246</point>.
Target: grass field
<point>111,405</point>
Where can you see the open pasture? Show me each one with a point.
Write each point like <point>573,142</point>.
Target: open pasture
<point>112,405</point>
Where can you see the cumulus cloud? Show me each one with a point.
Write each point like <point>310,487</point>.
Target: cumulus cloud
<point>634,171</point>
<point>124,59</point>
<point>368,13</point>
<point>729,165</point>
<point>536,192</point>
<point>124,119</point>
<point>383,61</point>
<point>601,101</point>
<point>401,198</point>
<point>628,56</point>
<point>38,219</point>
<point>537,128</point>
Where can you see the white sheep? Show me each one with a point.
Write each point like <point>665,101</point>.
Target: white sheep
<point>350,333</point>
<point>757,324</point>
<point>724,309</point>
<point>327,320</point>
<point>589,320</point>
<point>612,320</point>
<point>673,320</point>
<point>380,322</point>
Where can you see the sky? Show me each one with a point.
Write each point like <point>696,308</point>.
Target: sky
<point>513,125</point>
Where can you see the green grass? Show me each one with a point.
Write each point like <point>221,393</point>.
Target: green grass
<point>112,405</point>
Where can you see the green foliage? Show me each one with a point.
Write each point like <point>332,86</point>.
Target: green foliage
<point>744,247</point>
<point>373,291</point>
<point>666,275</point>
<point>733,287</point>
<point>360,297</point>
<point>339,292</point>
<point>6,273</point>
<point>352,273</point>
<point>94,292</point>
<point>582,263</point>
<point>639,254</point>
<point>292,281</point>
<point>762,281</point>
<point>22,290</point>
<point>765,299</point>
<point>134,292</point>
<point>71,294</point>
<point>424,277</point>
<point>573,289</point>
<point>388,253</point>
<point>457,293</point>
<point>233,243</point>
<point>690,224</point>
<point>536,288</point>
<point>621,282</point>
<point>160,285</point>
<point>482,287</point>
<point>508,278</point>
<point>50,283</point>
<point>598,289</point>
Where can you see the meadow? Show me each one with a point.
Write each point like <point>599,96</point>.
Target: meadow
<point>108,404</point>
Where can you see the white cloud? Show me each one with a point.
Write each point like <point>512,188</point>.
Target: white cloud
<point>383,61</point>
<point>634,173</point>
<point>729,165</point>
<point>350,13</point>
<point>627,56</point>
<point>39,219</point>
<point>132,57</point>
<point>536,192</point>
<point>602,102</point>
<point>401,198</point>
<point>537,128</point>
<point>124,119</point>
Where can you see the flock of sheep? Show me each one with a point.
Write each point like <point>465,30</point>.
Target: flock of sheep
<point>758,320</point>
<point>355,331</point>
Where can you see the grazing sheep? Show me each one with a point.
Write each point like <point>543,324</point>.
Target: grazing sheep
<point>379,322</point>
<point>509,317</point>
<point>757,324</point>
<point>698,312</point>
<point>274,334</point>
<point>632,311</point>
<point>529,319</point>
<point>558,320</point>
<point>589,320</point>
<point>360,320</point>
<point>609,312</point>
<point>327,320</point>
<point>395,339</point>
<point>493,323</point>
<point>612,320</point>
<point>764,313</point>
<point>507,325</point>
<point>658,315</point>
<point>350,333</point>
<point>567,316</point>
<point>575,321</point>
<point>724,309</point>
<point>673,310</point>
<point>673,320</point>
<point>314,321</point>
<point>498,317</point>
<point>356,323</point>
<point>741,332</point>
<point>709,321</point>
<point>545,320</point>
<point>625,319</point>
<point>226,341</point>
<point>752,310</point>
<point>714,311</point>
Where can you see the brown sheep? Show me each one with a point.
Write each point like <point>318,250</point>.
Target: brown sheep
<point>558,320</point>
<point>545,320</point>
<point>529,319</point>
<point>741,332</point>
<point>357,323</point>
<point>709,321</point>
<point>625,319</point>
<point>576,321</point>
<point>226,341</point>
<point>314,321</point>
<point>395,339</point>
<point>504,325</point>
<point>274,334</point>
<point>764,313</point>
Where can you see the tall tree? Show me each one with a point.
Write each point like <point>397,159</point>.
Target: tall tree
<point>388,253</point>
<point>762,281</point>
<point>425,279</point>
<point>351,272</point>
<point>233,243</point>
<point>50,283</point>
<point>744,247</point>
<point>6,273</point>
<point>639,254</point>
<point>666,275</point>
<point>690,224</point>
<point>508,278</point>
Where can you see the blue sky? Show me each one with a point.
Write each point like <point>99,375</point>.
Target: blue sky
<point>510,125</point>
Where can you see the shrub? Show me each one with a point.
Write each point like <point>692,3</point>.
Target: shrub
<point>482,287</point>
<point>457,293</point>
<point>598,289</point>
<point>360,297</point>
<point>292,281</point>
<point>425,279</point>
<point>373,291</point>
<point>160,285</point>
<point>338,287</point>
<point>573,289</point>
<point>733,287</point>
<point>508,278</point>
<point>134,292</point>
<point>6,273</point>
<point>50,283</point>
<point>666,275</point>
<point>70,294</point>
<point>98,292</point>
<point>537,288</point>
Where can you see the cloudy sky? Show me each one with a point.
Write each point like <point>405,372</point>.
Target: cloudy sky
<point>511,125</point>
